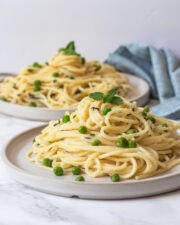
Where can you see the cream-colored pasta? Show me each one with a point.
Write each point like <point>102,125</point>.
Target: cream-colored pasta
<point>156,149</point>
<point>75,80</point>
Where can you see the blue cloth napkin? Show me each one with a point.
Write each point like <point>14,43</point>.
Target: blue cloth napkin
<point>159,67</point>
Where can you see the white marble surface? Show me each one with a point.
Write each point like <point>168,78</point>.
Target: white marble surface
<point>21,205</point>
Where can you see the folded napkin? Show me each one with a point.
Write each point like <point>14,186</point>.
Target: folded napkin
<point>159,67</point>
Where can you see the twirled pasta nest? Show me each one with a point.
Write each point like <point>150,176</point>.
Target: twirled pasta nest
<point>63,81</point>
<point>104,139</point>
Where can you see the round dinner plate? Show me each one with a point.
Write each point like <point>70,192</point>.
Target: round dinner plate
<point>27,173</point>
<point>46,114</point>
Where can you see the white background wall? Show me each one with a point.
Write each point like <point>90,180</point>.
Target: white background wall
<point>32,30</point>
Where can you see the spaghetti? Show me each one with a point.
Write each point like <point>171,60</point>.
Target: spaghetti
<point>63,81</point>
<point>108,135</point>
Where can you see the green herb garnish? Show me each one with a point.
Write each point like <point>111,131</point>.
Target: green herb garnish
<point>37,65</point>
<point>146,109</point>
<point>164,125</point>
<point>61,86</point>
<point>83,60</point>
<point>32,104</point>
<point>110,97</point>
<point>106,110</point>
<point>153,120</point>
<point>116,100</point>
<point>30,70</point>
<point>97,68</point>
<point>144,114</point>
<point>69,49</point>
<point>97,96</point>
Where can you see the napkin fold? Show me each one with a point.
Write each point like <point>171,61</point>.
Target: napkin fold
<point>159,67</point>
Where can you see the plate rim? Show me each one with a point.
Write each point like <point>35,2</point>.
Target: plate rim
<point>10,165</point>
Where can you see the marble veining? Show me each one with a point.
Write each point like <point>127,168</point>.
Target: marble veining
<point>21,205</point>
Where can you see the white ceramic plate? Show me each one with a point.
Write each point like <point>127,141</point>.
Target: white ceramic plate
<point>46,114</point>
<point>13,156</point>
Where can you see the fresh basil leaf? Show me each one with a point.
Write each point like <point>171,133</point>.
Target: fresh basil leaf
<point>97,95</point>
<point>61,49</point>
<point>71,46</point>
<point>110,95</point>
<point>112,92</point>
<point>116,100</point>
<point>71,52</point>
<point>69,49</point>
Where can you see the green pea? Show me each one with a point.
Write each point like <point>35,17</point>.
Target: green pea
<point>66,118</point>
<point>97,68</point>
<point>146,109</point>
<point>37,83</point>
<point>122,142</point>
<point>164,125</point>
<point>76,170</point>
<point>37,88</point>
<point>37,65</point>
<point>32,104</point>
<point>71,77</point>
<point>3,99</point>
<point>144,114</point>
<point>82,129</point>
<point>131,144</point>
<point>79,178</point>
<point>153,120</point>
<point>47,162</point>
<point>58,171</point>
<point>55,74</point>
<point>106,110</point>
<point>115,177</point>
<point>131,131</point>
<point>96,142</point>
